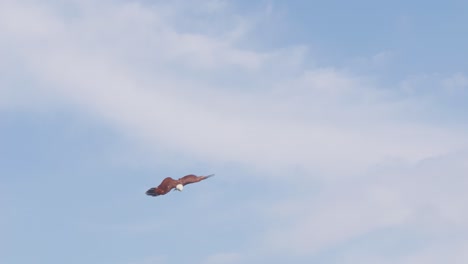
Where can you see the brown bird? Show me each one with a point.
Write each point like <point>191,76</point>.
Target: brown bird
<point>168,184</point>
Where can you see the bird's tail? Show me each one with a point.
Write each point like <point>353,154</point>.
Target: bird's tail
<point>152,192</point>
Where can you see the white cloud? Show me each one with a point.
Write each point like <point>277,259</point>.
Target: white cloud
<point>127,65</point>
<point>427,198</point>
<point>456,254</point>
<point>441,253</point>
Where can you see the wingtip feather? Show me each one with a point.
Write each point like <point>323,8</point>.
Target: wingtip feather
<point>152,192</point>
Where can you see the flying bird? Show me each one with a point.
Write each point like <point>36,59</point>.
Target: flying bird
<point>168,184</point>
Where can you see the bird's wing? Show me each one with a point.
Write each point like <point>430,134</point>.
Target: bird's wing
<point>188,179</point>
<point>167,184</point>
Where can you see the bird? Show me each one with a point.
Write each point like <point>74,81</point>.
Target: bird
<point>169,183</point>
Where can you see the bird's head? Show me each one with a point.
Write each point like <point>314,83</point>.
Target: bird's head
<point>179,187</point>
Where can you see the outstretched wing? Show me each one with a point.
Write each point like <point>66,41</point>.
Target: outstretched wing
<point>166,186</point>
<point>188,179</point>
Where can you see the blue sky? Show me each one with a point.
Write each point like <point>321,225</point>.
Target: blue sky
<point>337,131</point>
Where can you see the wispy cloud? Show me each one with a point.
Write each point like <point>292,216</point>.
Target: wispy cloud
<point>319,118</point>
<point>426,198</point>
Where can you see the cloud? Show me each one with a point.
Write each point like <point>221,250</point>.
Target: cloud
<point>222,258</point>
<point>373,63</point>
<point>435,85</point>
<point>151,260</point>
<point>425,200</point>
<point>457,82</point>
<point>432,255</point>
<point>316,119</point>
<point>440,253</point>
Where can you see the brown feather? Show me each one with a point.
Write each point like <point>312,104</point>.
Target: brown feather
<point>166,186</point>
<point>188,179</point>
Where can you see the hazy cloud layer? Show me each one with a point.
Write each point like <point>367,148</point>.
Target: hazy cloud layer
<point>153,83</point>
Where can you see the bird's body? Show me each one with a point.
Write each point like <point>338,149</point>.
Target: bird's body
<point>168,184</point>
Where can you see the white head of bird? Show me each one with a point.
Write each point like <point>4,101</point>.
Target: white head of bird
<point>179,187</point>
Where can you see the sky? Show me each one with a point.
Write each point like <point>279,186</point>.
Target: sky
<point>337,131</point>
